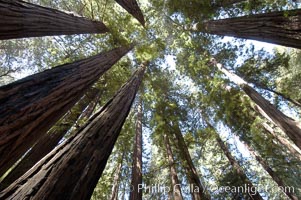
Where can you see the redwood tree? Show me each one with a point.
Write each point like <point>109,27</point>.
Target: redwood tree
<point>281,27</point>
<point>177,193</point>
<point>19,19</point>
<point>266,109</point>
<point>50,140</point>
<point>72,170</point>
<point>198,192</point>
<point>30,106</point>
<point>133,8</point>
<point>135,194</point>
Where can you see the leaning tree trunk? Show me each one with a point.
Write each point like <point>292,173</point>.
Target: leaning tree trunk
<point>237,168</point>
<point>198,192</point>
<point>177,193</point>
<point>271,172</point>
<point>281,27</point>
<point>114,195</point>
<point>30,106</point>
<point>292,149</point>
<point>136,194</point>
<point>133,8</point>
<point>48,141</point>
<point>269,111</point>
<point>20,19</point>
<point>72,170</point>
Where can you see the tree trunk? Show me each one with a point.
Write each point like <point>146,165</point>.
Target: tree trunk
<point>30,106</point>
<point>238,169</point>
<point>19,19</point>
<point>293,150</point>
<point>133,8</point>
<point>72,170</point>
<point>271,172</point>
<point>136,194</point>
<point>48,141</point>
<point>114,195</point>
<point>197,189</point>
<point>284,96</point>
<point>288,125</point>
<point>173,173</point>
<point>281,27</point>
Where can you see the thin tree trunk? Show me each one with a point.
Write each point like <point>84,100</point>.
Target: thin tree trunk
<point>236,166</point>
<point>136,194</point>
<point>30,106</point>
<point>293,150</point>
<point>114,195</point>
<point>133,8</point>
<point>271,172</point>
<point>197,189</point>
<point>19,19</point>
<point>281,27</point>
<point>72,170</point>
<point>48,141</point>
<point>282,95</point>
<point>288,125</point>
<point>177,193</point>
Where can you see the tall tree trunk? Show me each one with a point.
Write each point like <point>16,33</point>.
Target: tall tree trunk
<point>20,19</point>
<point>177,193</point>
<point>271,172</point>
<point>30,106</point>
<point>72,170</point>
<point>136,194</point>
<point>133,8</point>
<point>48,141</point>
<point>238,170</point>
<point>292,149</point>
<point>288,125</point>
<point>282,95</point>
<point>198,191</point>
<point>281,27</point>
<point>114,195</point>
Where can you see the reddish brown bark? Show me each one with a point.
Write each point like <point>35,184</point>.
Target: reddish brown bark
<point>133,8</point>
<point>177,193</point>
<point>30,106</point>
<point>19,19</point>
<point>281,27</point>
<point>72,170</point>
<point>136,193</point>
<point>48,141</point>
<point>114,195</point>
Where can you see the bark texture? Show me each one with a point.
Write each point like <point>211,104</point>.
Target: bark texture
<point>198,191</point>
<point>71,171</point>
<point>282,27</point>
<point>269,111</point>
<point>135,194</point>
<point>48,141</point>
<point>19,19</point>
<point>238,170</point>
<point>133,8</point>
<point>272,173</point>
<point>177,193</point>
<point>30,106</point>
<point>114,195</point>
